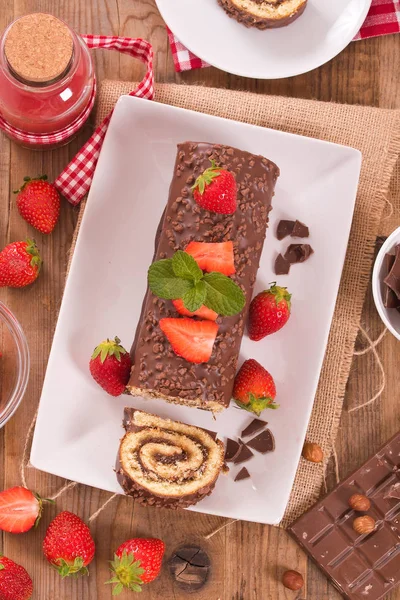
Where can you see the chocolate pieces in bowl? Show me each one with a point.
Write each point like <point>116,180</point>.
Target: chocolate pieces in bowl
<point>228,243</point>
<point>166,463</point>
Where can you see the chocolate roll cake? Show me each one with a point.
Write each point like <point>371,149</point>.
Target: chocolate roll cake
<point>158,372</point>
<point>264,14</point>
<point>167,463</point>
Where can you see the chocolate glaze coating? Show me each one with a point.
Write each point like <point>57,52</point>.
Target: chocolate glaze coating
<point>157,371</point>
<point>250,20</point>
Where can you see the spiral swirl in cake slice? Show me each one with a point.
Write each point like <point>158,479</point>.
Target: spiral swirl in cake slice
<point>167,463</point>
<point>264,14</point>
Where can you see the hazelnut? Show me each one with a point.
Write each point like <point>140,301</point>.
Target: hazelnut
<point>359,503</point>
<point>313,452</point>
<point>364,525</point>
<point>292,580</point>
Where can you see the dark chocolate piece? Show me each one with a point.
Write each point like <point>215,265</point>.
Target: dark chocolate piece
<point>284,228</point>
<point>253,427</point>
<point>300,230</point>
<point>244,454</point>
<point>213,434</point>
<point>393,492</point>
<point>232,450</point>
<point>390,299</point>
<point>190,567</point>
<point>360,566</point>
<point>392,280</point>
<point>298,253</point>
<point>263,442</point>
<point>243,474</point>
<point>282,266</point>
<point>157,371</point>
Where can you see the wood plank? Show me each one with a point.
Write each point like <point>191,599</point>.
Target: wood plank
<point>247,560</point>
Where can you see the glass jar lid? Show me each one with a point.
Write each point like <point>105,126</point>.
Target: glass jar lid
<point>39,49</point>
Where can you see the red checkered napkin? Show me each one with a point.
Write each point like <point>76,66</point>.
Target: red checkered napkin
<point>74,182</point>
<point>383,18</point>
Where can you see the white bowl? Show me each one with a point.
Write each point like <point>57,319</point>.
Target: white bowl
<point>390,316</point>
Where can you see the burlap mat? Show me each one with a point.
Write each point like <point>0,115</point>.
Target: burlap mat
<point>376,133</point>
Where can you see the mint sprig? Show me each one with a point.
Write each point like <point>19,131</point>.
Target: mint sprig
<point>164,283</point>
<point>181,277</point>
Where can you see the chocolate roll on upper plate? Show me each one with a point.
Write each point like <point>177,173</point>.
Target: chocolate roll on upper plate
<point>167,463</point>
<point>157,371</point>
<point>264,14</point>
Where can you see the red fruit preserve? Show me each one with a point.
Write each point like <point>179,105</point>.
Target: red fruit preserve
<point>46,81</point>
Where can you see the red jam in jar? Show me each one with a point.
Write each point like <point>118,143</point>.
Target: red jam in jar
<point>46,80</point>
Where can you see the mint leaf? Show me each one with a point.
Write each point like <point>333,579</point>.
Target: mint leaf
<point>223,295</point>
<point>186,267</point>
<point>195,297</point>
<point>164,283</point>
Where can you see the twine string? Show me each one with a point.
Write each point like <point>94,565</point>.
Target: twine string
<point>215,531</point>
<point>372,347</point>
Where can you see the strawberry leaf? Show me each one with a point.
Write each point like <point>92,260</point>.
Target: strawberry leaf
<point>164,283</point>
<point>223,295</point>
<point>194,298</point>
<point>185,267</point>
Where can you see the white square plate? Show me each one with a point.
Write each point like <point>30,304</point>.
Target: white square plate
<point>79,426</point>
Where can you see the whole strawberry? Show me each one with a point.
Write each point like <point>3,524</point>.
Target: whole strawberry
<point>20,510</point>
<point>68,545</point>
<point>254,388</point>
<point>110,366</point>
<point>38,203</point>
<point>20,264</point>
<point>269,311</point>
<point>15,583</point>
<point>136,561</point>
<point>215,190</point>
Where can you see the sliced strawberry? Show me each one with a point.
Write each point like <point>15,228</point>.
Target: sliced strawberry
<point>20,509</point>
<point>203,312</point>
<point>213,256</point>
<point>191,339</point>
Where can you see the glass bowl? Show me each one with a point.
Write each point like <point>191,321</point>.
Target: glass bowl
<point>14,364</point>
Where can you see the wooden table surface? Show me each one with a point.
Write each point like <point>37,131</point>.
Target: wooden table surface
<point>247,559</point>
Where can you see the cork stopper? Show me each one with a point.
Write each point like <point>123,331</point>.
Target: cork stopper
<point>38,48</point>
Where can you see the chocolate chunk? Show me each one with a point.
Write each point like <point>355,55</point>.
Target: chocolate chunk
<point>284,229</point>
<point>189,567</point>
<point>298,253</point>
<point>300,230</point>
<point>390,299</point>
<point>282,266</point>
<point>232,450</point>
<point>253,427</point>
<point>263,442</point>
<point>243,474</point>
<point>359,565</point>
<point>392,280</point>
<point>244,454</point>
<point>393,492</point>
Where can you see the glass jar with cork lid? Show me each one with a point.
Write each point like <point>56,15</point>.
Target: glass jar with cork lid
<point>47,84</point>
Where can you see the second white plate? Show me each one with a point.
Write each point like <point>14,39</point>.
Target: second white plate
<point>324,29</point>
<point>79,426</point>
